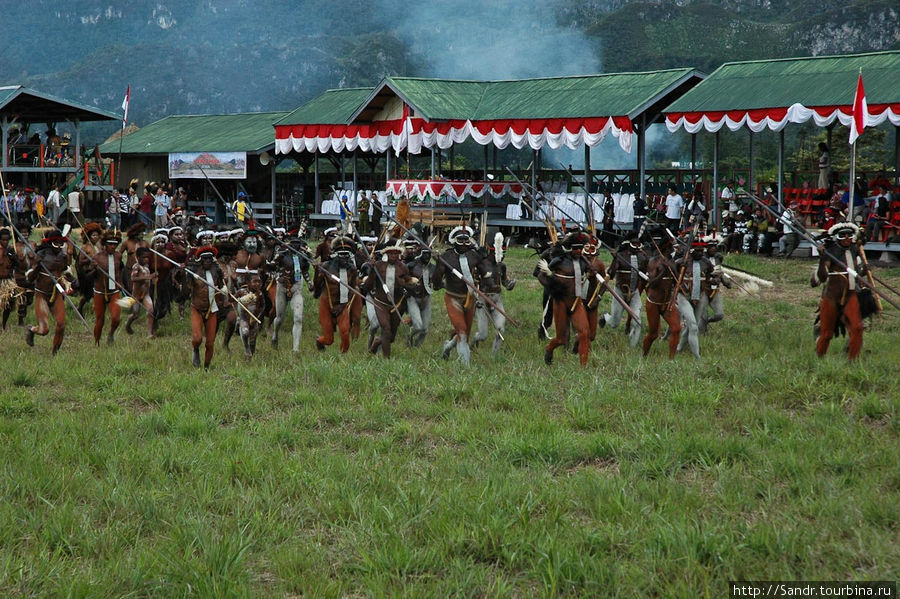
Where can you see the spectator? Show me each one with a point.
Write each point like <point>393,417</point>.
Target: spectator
<point>761,226</point>
<point>824,166</point>
<point>640,212</point>
<point>40,207</point>
<point>788,242</point>
<point>145,206</point>
<point>730,197</point>
<point>114,211</point>
<point>162,204</point>
<point>674,206</point>
<point>74,201</point>
<point>53,204</point>
<point>879,216</point>
<point>241,209</point>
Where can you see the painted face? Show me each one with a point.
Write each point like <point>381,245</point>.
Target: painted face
<point>207,261</point>
<point>845,238</point>
<point>178,237</point>
<point>205,239</point>
<point>393,256</point>
<point>251,244</point>
<point>58,244</point>
<point>110,246</point>
<point>343,256</point>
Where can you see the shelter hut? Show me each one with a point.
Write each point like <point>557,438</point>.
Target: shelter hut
<point>41,142</point>
<point>232,150</point>
<point>404,116</point>
<point>772,94</point>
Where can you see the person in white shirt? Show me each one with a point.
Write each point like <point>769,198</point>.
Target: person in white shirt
<point>730,197</point>
<point>162,204</point>
<point>788,242</point>
<point>824,166</point>
<point>53,204</point>
<point>74,201</point>
<point>674,205</point>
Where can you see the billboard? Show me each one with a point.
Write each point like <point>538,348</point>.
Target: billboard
<point>216,165</point>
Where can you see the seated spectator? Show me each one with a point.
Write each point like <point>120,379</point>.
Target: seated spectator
<point>879,216</point>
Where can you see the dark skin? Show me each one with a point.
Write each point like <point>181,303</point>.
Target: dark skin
<point>48,298</point>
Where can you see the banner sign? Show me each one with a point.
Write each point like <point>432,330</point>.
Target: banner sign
<point>216,165</point>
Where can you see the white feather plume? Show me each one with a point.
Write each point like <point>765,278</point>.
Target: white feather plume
<point>498,247</point>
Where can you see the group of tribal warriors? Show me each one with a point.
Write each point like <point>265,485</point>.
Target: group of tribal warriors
<point>241,277</point>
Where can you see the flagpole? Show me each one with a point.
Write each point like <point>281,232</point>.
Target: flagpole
<point>857,124</point>
<point>852,188</point>
<point>122,133</point>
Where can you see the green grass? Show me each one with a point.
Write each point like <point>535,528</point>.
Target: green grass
<point>124,472</point>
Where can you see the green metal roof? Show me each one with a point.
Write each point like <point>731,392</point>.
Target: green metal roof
<point>32,105</point>
<point>811,81</point>
<point>249,132</point>
<point>611,94</point>
<point>333,107</point>
<point>614,94</point>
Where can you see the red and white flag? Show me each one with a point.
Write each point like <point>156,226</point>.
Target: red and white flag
<point>125,103</point>
<point>860,111</point>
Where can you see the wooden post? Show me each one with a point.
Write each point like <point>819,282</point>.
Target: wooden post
<point>752,164</point>
<point>780,168</point>
<point>715,182</point>
<point>316,203</point>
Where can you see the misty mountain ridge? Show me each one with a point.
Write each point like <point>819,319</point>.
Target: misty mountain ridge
<point>226,56</point>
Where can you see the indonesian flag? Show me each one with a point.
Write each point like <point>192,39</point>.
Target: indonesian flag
<point>407,129</point>
<point>860,111</point>
<point>125,106</point>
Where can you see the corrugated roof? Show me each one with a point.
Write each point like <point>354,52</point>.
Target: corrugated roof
<point>249,132</point>
<point>332,107</point>
<point>614,94</point>
<point>31,104</point>
<point>811,81</point>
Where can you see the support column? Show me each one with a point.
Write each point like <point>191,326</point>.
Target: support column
<point>752,164</point>
<point>316,203</point>
<point>896,155</point>
<point>78,148</point>
<point>693,161</point>
<point>355,180</point>
<point>494,162</point>
<point>4,130</point>
<point>343,175</point>
<point>588,209</point>
<point>485,162</point>
<point>780,169</point>
<point>272,180</point>
<point>387,165</point>
<point>717,218</point>
<point>432,164</point>
<point>452,159</point>
<point>534,170</point>
<point>641,156</point>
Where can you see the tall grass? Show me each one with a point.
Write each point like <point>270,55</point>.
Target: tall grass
<point>124,472</point>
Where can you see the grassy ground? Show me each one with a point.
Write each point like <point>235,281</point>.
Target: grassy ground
<point>125,472</point>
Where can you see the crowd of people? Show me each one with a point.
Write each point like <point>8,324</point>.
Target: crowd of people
<point>245,279</point>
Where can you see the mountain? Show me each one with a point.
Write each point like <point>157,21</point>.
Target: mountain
<point>210,56</point>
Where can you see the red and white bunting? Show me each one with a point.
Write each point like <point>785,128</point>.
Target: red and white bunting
<point>414,134</point>
<point>776,119</point>
<point>425,189</point>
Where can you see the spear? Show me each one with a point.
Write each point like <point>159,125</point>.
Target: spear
<point>59,287</point>
<point>471,285</point>
<point>800,230</point>
<point>207,283</point>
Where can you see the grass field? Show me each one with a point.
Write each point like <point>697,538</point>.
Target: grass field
<point>128,473</point>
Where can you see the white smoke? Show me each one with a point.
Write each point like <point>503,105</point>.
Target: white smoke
<point>493,39</point>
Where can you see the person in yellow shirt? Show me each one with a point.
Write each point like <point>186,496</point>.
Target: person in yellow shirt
<point>241,208</point>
